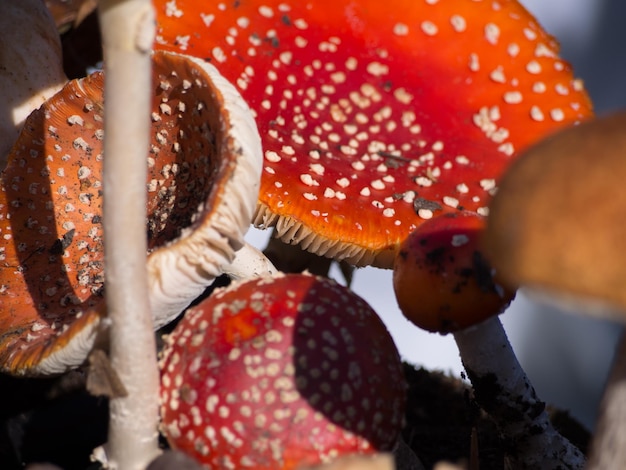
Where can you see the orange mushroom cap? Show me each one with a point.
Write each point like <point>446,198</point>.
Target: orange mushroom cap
<point>51,258</point>
<point>281,372</point>
<point>441,278</point>
<point>376,116</point>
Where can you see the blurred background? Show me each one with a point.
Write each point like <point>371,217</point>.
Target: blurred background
<point>566,356</point>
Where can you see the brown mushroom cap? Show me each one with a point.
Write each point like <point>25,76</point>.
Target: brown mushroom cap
<point>204,165</point>
<point>378,115</point>
<point>558,221</point>
<point>31,66</point>
<point>279,372</point>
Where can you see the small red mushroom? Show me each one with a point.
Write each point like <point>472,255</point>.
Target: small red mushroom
<point>441,278</point>
<point>377,116</point>
<point>204,166</point>
<point>280,372</point>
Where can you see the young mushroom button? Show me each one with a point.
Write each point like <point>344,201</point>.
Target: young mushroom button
<point>281,372</point>
<point>204,166</point>
<point>441,279</point>
<point>377,116</point>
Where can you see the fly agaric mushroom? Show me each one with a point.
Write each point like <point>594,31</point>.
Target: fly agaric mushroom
<point>377,116</point>
<point>31,71</point>
<point>443,283</point>
<point>558,227</point>
<point>204,165</point>
<point>279,372</point>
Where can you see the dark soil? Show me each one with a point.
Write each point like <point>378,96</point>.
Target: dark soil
<point>57,421</point>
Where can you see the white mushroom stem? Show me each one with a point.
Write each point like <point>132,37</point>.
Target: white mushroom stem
<point>249,262</point>
<point>377,462</point>
<point>504,391</point>
<point>128,32</point>
<point>608,448</point>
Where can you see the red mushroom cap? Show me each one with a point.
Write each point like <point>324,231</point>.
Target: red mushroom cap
<point>376,116</point>
<point>441,279</point>
<point>203,152</point>
<point>280,372</point>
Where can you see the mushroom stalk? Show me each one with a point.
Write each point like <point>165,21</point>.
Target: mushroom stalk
<point>608,448</point>
<point>249,262</point>
<point>504,391</point>
<point>377,462</point>
<point>128,33</point>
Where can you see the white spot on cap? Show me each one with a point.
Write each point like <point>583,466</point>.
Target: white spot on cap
<point>474,64</point>
<point>358,165</point>
<point>536,114</point>
<point>400,29</point>
<point>488,184</point>
<point>308,180</point>
<point>317,169</point>
<point>429,28</point>
<point>513,97</point>
<point>272,156</point>
<point>218,54</point>
<point>557,114</point>
<point>498,75</point>
<point>266,11</point>
<point>492,33</point>
<point>513,49</point>
<point>533,67</point>
<point>75,119</point>
<point>530,34</point>
<point>539,87</point>
<point>377,69</point>
<point>451,201</point>
<point>458,23</point>
<point>300,24</point>
<point>83,172</point>
<point>459,240</point>
<point>425,214</point>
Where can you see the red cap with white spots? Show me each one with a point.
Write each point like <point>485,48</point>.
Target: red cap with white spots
<point>378,115</point>
<point>51,254</point>
<point>280,372</point>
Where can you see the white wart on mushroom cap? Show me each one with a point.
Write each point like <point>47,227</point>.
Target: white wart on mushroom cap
<point>202,187</point>
<point>376,116</point>
<point>281,372</point>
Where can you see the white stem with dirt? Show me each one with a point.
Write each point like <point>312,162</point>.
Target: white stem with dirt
<point>504,391</point>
